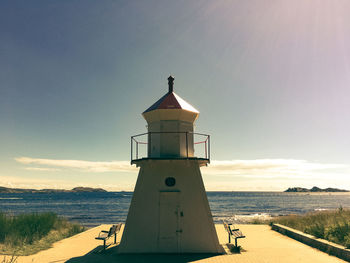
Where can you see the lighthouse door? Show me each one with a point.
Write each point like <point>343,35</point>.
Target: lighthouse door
<point>169,225</point>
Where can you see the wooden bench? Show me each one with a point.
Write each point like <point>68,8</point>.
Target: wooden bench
<point>105,235</point>
<point>234,233</point>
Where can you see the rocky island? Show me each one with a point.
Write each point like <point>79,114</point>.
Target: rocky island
<point>5,190</point>
<point>314,189</point>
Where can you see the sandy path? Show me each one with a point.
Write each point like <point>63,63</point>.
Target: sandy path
<point>262,245</point>
<point>65,249</point>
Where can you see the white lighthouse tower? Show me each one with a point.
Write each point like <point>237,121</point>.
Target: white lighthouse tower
<point>169,211</point>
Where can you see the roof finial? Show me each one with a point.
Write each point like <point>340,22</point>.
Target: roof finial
<point>171,83</point>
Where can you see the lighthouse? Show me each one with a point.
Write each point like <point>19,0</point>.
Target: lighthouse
<point>169,210</point>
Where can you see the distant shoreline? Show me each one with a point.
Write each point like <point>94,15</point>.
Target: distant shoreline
<point>6,190</point>
<point>296,190</point>
<point>315,189</point>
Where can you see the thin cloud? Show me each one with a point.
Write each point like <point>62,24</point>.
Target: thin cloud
<point>35,183</point>
<point>89,166</point>
<point>42,169</point>
<point>272,167</point>
<point>252,168</point>
<point>259,174</point>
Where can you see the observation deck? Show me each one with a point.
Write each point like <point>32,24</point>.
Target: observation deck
<point>170,146</point>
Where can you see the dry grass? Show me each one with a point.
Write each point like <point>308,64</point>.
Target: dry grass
<point>29,233</point>
<point>9,259</point>
<point>330,225</point>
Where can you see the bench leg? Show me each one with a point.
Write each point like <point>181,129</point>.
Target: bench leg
<point>104,244</point>
<point>229,238</point>
<point>236,242</point>
<point>115,238</point>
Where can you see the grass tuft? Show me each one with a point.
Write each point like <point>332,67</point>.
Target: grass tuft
<point>27,234</point>
<point>11,259</point>
<point>330,225</point>
<point>258,221</point>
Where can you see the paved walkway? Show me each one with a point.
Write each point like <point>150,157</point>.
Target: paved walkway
<point>262,245</point>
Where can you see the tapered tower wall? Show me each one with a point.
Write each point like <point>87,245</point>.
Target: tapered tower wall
<point>169,219</point>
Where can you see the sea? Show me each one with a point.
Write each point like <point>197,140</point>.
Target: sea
<point>94,208</point>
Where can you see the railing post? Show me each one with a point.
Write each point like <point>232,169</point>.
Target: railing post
<point>137,150</point>
<point>131,148</point>
<point>150,145</point>
<point>205,148</point>
<point>187,144</point>
<point>209,147</point>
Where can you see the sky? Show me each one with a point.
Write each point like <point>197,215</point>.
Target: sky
<point>271,80</point>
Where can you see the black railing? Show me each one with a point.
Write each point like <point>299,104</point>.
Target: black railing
<point>192,142</point>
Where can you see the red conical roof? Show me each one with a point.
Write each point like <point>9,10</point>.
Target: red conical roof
<point>171,101</point>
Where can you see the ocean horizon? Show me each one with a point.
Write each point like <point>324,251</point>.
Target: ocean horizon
<point>94,208</point>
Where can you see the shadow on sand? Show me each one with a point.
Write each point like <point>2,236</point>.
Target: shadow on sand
<point>111,254</point>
